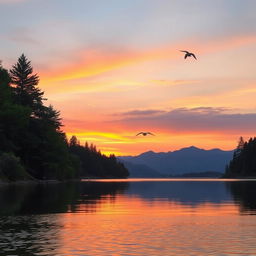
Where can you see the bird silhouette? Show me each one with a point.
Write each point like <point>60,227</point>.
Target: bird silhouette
<point>189,54</point>
<point>145,133</point>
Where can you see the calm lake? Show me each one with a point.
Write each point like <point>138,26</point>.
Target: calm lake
<point>129,217</point>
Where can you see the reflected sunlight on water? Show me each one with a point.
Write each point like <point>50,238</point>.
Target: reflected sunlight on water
<point>153,217</point>
<point>136,206</point>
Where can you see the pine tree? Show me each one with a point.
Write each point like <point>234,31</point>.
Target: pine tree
<point>25,85</point>
<point>51,116</point>
<point>239,147</point>
<point>73,142</point>
<point>13,117</point>
<point>243,163</point>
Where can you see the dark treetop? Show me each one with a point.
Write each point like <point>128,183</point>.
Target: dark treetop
<point>243,163</point>
<point>33,146</point>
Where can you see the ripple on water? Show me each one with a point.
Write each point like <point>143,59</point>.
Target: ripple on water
<point>136,219</point>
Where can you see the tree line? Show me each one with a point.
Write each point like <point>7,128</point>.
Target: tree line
<point>243,163</point>
<point>32,143</point>
<point>93,163</point>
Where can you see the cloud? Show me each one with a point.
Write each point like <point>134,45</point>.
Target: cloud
<point>142,112</point>
<point>91,62</point>
<point>194,120</point>
<point>94,62</point>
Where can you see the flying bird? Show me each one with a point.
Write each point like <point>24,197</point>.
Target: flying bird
<point>145,133</point>
<point>189,54</point>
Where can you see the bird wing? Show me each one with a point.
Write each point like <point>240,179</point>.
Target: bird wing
<point>139,133</point>
<point>184,51</point>
<point>186,55</point>
<point>150,133</point>
<point>193,55</point>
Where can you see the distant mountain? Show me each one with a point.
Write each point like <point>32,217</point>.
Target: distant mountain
<point>140,170</point>
<point>185,160</point>
<point>201,175</point>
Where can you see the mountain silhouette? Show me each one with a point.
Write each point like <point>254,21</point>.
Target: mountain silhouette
<point>140,170</point>
<point>179,162</point>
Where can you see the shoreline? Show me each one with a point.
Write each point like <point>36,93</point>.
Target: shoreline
<point>36,182</point>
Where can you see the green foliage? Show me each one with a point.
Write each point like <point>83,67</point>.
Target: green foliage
<point>95,164</point>
<point>243,163</point>
<point>32,133</point>
<point>30,129</point>
<point>11,168</point>
<point>13,117</point>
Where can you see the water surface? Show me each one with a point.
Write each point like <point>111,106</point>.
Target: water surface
<point>129,217</point>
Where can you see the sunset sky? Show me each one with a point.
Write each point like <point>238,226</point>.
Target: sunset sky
<point>113,68</point>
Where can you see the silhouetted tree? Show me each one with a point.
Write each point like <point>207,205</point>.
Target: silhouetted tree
<point>25,85</point>
<point>95,164</point>
<point>239,147</point>
<point>243,163</point>
<point>51,116</point>
<point>32,144</point>
<point>13,117</point>
<point>73,142</point>
<point>29,130</point>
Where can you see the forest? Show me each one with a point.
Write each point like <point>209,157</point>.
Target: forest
<point>243,163</point>
<point>33,145</point>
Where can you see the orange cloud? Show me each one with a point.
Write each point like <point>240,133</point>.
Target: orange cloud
<point>174,129</point>
<point>96,62</point>
<point>204,127</point>
<point>93,62</point>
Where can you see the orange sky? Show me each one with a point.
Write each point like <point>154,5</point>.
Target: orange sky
<point>115,69</point>
<point>107,98</point>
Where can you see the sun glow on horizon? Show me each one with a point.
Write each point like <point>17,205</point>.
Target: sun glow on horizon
<point>110,143</point>
<point>112,78</point>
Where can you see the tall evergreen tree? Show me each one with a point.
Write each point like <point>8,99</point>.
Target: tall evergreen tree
<point>25,85</point>
<point>13,117</point>
<point>32,144</point>
<point>239,147</point>
<point>42,145</point>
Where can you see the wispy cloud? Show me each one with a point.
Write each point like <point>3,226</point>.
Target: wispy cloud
<point>194,120</point>
<point>142,112</point>
<point>96,61</point>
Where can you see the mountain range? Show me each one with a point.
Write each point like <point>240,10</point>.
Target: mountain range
<point>190,160</point>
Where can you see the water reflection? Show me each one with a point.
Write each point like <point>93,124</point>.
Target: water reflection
<point>129,218</point>
<point>88,197</point>
<point>183,192</point>
<point>244,194</point>
<point>29,224</point>
<point>55,198</point>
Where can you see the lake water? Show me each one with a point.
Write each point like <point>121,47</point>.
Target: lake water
<point>129,217</point>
